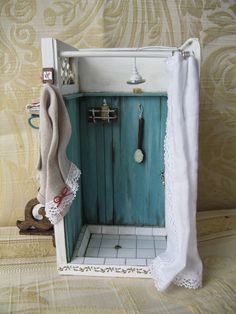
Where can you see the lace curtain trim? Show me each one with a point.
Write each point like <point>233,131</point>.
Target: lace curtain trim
<point>161,279</point>
<point>190,283</point>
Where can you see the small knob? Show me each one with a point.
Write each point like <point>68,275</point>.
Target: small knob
<point>162,174</point>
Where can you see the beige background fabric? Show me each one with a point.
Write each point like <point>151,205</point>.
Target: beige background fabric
<point>117,23</point>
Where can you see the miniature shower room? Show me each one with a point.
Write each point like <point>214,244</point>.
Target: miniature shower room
<point>116,99</point>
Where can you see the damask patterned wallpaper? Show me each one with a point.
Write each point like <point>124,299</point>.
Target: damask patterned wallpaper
<point>117,23</point>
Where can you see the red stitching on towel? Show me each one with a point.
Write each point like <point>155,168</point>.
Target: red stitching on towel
<point>59,198</point>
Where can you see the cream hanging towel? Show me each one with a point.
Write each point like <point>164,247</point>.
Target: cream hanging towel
<point>58,177</point>
<point>180,263</point>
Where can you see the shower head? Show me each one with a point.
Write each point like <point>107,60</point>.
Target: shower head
<point>135,78</point>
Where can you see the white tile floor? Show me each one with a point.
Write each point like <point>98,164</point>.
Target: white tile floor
<point>118,249</point>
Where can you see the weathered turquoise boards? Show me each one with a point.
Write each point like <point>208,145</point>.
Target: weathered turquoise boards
<point>114,189</point>
<point>117,190</point>
<point>73,220</point>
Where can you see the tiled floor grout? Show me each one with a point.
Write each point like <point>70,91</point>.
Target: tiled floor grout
<point>136,247</point>
<point>117,249</point>
<point>154,245</point>
<point>85,252</point>
<point>100,246</point>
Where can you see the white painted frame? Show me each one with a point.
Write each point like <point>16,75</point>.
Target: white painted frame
<point>107,70</point>
<point>51,49</point>
<point>87,60</point>
<point>82,265</point>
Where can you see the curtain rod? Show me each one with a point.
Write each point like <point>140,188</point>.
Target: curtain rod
<point>160,53</point>
<point>142,52</point>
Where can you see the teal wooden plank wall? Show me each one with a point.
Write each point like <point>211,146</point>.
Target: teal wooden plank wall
<point>117,190</point>
<point>113,188</point>
<point>73,220</point>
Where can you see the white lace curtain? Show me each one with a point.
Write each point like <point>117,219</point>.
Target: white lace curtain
<point>180,263</point>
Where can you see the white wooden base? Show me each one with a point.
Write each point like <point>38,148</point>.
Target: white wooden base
<point>105,270</point>
<point>131,239</point>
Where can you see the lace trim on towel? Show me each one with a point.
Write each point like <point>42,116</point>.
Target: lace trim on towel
<point>55,211</point>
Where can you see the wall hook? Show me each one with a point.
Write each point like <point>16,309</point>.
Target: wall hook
<point>140,108</point>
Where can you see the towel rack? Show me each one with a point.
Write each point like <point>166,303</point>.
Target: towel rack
<point>33,110</point>
<point>32,117</point>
